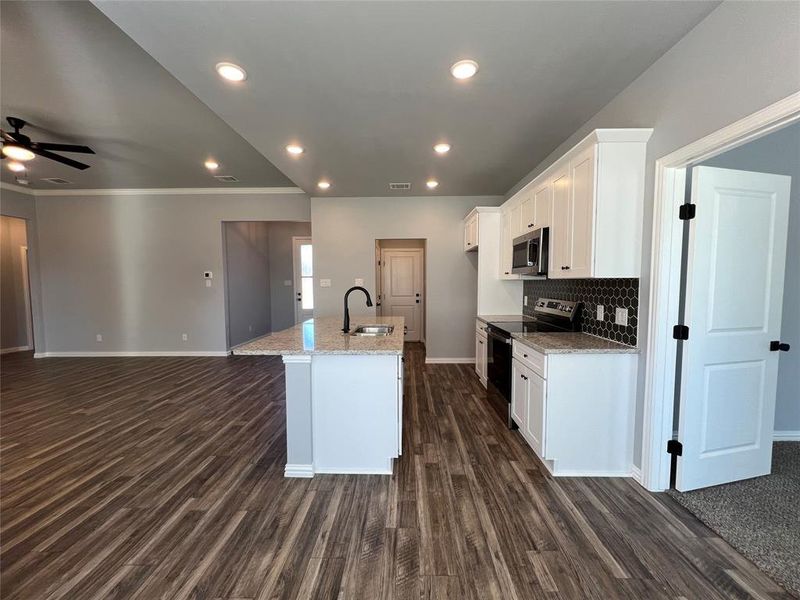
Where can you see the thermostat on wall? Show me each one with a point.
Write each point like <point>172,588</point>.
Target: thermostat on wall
<point>208,275</point>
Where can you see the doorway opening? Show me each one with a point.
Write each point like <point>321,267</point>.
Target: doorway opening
<point>16,317</point>
<point>400,274</point>
<point>259,277</point>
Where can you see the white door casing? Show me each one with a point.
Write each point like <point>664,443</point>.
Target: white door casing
<point>734,292</point>
<point>402,288</point>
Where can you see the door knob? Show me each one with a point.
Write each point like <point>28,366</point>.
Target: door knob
<point>775,346</point>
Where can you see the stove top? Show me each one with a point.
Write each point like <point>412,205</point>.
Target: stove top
<point>549,315</point>
<point>529,326</point>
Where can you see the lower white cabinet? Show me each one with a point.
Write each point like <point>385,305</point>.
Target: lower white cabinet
<point>481,350</point>
<point>576,410</point>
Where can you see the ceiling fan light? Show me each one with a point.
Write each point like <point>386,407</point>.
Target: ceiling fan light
<point>17,152</point>
<point>15,166</point>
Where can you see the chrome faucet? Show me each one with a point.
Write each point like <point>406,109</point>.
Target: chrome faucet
<point>346,325</point>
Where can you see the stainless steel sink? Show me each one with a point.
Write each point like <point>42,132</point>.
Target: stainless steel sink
<point>373,330</point>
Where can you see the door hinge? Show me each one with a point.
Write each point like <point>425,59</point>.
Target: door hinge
<point>674,447</point>
<point>687,212</point>
<point>680,332</point>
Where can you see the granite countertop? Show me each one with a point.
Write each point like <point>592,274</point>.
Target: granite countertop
<point>503,318</point>
<point>324,336</point>
<point>572,343</point>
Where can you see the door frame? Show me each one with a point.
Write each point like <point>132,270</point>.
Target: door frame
<point>26,291</point>
<point>297,240</point>
<point>665,276</point>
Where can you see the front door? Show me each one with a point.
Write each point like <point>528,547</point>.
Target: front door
<point>734,291</point>
<point>303,279</point>
<point>402,289</point>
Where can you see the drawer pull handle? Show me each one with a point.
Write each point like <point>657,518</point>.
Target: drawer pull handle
<point>524,356</point>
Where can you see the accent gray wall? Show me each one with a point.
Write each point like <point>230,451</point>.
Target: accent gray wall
<point>779,153</point>
<point>247,280</point>
<point>23,206</point>
<point>281,270</point>
<point>130,267</point>
<point>742,57</point>
<point>13,303</point>
<point>345,230</point>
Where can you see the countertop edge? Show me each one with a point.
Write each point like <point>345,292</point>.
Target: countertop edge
<point>621,349</point>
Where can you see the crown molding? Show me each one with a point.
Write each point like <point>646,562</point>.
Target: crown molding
<point>153,191</point>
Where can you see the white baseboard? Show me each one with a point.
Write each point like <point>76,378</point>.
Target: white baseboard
<point>340,471</point>
<point>131,354</point>
<point>591,473</point>
<point>449,361</point>
<point>17,349</point>
<point>786,436</point>
<point>296,470</point>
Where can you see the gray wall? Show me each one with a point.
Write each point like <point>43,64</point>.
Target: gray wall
<point>281,270</point>
<point>14,307</point>
<point>247,280</point>
<point>779,153</point>
<point>23,206</point>
<point>345,230</point>
<point>741,58</point>
<point>131,268</point>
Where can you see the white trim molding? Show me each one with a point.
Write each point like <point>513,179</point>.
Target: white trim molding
<point>302,471</point>
<point>661,355</point>
<point>786,436</point>
<point>449,361</point>
<point>128,354</point>
<point>153,191</point>
<point>296,358</point>
<point>17,349</point>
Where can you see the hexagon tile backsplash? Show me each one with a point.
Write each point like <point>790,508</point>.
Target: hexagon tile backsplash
<point>611,293</point>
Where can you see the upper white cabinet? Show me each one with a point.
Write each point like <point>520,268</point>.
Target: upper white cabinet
<point>471,232</point>
<point>592,200</point>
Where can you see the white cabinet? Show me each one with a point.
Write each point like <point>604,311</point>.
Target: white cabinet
<point>592,199</point>
<point>471,232</point>
<point>481,352</point>
<point>576,411</point>
<point>506,247</point>
<point>400,375</point>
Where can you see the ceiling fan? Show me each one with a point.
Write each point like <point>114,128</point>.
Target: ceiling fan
<point>20,147</point>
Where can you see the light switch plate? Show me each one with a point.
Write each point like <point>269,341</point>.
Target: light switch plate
<point>324,283</point>
<point>287,282</point>
<point>359,281</point>
<point>98,337</point>
<point>524,301</point>
<point>601,312</point>
<point>185,337</point>
<point>621,317</point>
<point>208,275</point>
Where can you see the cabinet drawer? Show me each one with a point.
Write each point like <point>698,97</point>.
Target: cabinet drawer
<point>535,361</point>
<point>480,327</point>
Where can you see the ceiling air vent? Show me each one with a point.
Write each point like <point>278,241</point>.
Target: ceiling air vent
<point>226,178</point>
<point>56,180</point>
<point>399,186</point>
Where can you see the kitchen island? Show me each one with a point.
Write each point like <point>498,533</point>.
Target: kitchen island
<point>344,395</point>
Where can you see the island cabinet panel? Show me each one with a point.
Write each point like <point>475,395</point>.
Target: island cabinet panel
<point>355,413</point>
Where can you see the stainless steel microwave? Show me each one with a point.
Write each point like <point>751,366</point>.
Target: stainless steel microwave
<point>531,253</point>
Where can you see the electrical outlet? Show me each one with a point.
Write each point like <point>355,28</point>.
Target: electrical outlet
<point>185,337</point>
<point>98,337</point>
<point>250,328</point>
<point>324,283</point>
<point>601,312</point>
<point>524,301</point>
<point>621,317</point>
<point>359,281</point>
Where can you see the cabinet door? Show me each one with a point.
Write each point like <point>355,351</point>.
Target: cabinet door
<point>400,364</point>
<point>561,226</point>
<point>581,175</point>
<point>480,356</point>
<point>471,233</point>
<point>543,201</point>
<point>519,396</point>
<point>527,210</point>
<point>506,247</point>
<point>536,417</point>
<point>516,219</point>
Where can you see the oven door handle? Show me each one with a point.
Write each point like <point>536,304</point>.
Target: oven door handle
<point>499,338</point>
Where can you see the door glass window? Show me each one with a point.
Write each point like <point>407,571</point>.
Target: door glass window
<point>306,277</point>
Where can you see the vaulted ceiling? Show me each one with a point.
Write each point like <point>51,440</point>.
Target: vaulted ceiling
<point>364,87</point>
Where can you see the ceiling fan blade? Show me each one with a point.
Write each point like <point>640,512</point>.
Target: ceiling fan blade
<point>62,159</point>
<point>62,147</point>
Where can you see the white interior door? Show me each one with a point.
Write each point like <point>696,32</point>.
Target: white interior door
<point>402,289</point>
<point>734,292</point>
<point>303,279</point>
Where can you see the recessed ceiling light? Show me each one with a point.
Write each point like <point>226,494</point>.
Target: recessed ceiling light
<point>231,72</point>
<point>294,149</point>
<point>464,69</point>
<point>211,165</point>
<point>17,152</point>
<point>442,148</point>
<point>432,183</point>
<point>324,185</point>
<point>15,166</point>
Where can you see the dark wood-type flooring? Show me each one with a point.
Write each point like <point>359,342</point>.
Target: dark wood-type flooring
<point>163,478</point>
